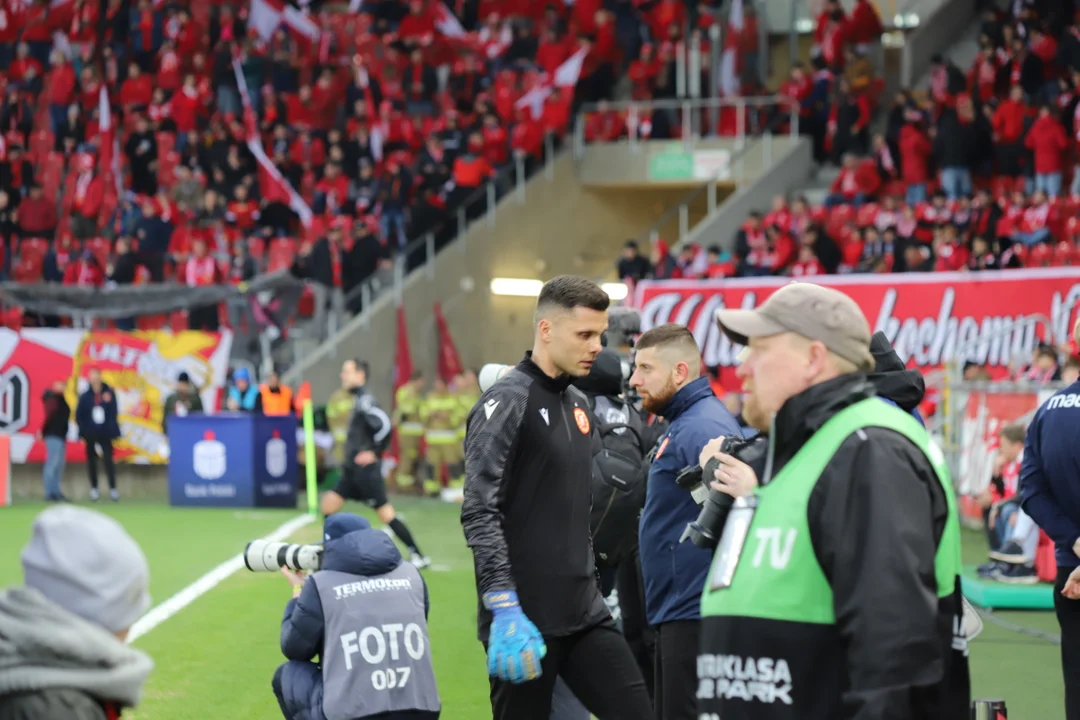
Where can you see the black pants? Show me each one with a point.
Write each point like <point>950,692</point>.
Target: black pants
<point>598,667</point>
<point>635,628</point>
<point>106,458</point>
<point>676,670</point>
<point>1068,615</point>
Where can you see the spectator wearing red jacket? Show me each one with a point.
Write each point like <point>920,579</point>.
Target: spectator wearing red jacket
<point>417,29</point>
<point>1033,225</point>
<point>855,184</point>
<point>84,272</point>
<point>864,26</point>
<point>86,200</point>
<point>1047,141</point>
<point>604,124</point>
<point>915,156</point>
<point>60,89</point>
<point>1008,127</point>
<point>137,91</point>
<point>808,264</point>
<point>496,142</point>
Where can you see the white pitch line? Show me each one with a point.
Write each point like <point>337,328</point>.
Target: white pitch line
<point>206,583</point>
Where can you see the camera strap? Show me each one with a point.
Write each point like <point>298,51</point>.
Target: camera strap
<point>732,542</point>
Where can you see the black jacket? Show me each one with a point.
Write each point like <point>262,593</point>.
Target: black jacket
<point>876,517</point>
<point>891,378</point>
<point>369,427</point>
<point>528,473</point>
<point>57,415</point>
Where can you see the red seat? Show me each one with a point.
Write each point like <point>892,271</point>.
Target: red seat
<point>257,248</point>
<point>1065,253</point>
<point>33,248</point>
<point>866,215</point>
<point>101,248</point>
<point>1040,255</point>
<point>27,270</point>
<point>280,254</point>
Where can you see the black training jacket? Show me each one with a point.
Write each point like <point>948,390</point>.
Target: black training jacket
<point>528,476</point>
<point>369,426</point>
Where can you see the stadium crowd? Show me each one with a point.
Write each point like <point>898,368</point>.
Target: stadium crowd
<point>972,175</point>
<point>385,121</point>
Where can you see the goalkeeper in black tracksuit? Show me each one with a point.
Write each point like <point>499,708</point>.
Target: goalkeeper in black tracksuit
<point>526,513</point>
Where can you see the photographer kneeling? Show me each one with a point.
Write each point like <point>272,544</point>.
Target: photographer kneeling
<point>364,613</point>
<point>834,590</point>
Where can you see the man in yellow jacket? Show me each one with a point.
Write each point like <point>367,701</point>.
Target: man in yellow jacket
<point>410,428</point>
<point>339,410</point>
<point>467,389</point>
<point>439,412</point>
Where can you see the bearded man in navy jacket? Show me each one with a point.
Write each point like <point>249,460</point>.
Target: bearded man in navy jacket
<point>667,375</point>
<point>1050,495</point>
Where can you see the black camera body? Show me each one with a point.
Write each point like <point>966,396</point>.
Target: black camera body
<point>705,531</point>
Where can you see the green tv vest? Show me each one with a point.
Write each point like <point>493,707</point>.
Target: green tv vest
<point>768,629</point>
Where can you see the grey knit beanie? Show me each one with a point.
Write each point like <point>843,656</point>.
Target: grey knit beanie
<point>87,563</point>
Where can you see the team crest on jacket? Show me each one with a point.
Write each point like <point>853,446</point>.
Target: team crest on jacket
<point>663,446</point>
<point>582,421</point>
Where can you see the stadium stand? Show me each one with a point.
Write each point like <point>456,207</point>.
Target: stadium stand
<point>971,174</point>
<point>385,121</point>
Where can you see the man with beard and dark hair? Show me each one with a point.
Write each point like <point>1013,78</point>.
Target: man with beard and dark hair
<point>526,517</point>
<point>667,375</point>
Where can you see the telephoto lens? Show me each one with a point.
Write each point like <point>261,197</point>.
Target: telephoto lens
<point>267,556</point>
<point>705,531</point>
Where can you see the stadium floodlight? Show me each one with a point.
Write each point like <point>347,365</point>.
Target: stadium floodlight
<point>527,287</point>
<point>616,290</point>
<point>519,287</point>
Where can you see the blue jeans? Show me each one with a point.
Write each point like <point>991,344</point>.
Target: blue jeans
<point>838,199</point>
<point>228,100</point>
<point>1049,183</point>
<point>956,182</point>
<point>1033,238</point>
<point>55,461</point>
<point>916,194</point>
<point>395,217</point>
<point>57,117</point>
<point>1001,525</point>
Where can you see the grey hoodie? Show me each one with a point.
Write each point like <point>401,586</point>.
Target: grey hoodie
<point>44,648</point>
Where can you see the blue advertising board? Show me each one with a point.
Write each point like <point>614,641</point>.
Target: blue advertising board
<point>232,460</point>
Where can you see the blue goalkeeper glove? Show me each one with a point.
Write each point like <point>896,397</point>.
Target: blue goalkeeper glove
<point>515,646</point>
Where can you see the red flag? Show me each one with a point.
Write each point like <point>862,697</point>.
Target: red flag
<point>449,360</point>
<point>403,369</point>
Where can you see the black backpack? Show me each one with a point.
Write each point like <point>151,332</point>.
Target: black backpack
<point>619,476</point>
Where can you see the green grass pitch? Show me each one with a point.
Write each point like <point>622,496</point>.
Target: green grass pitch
<point>215,658</point>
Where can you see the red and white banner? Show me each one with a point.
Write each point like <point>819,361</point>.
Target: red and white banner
<point>926,316</point>
<point>141,368</point>
<point>566,76</point>
<point>266,16</point>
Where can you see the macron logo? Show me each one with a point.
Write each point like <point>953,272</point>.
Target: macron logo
<point>489,407</point>
<point>1063,401</point>
<point>544,414</point>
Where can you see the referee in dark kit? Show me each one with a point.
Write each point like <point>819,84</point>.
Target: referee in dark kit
<point>361,472</point>
<point>528,470</point>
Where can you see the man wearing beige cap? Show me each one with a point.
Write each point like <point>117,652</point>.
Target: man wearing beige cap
<point>834,590</point>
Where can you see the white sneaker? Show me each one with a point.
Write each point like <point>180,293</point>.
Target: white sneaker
<point>419,561</point>
<point>94,495</point>
<point>114,495</point>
